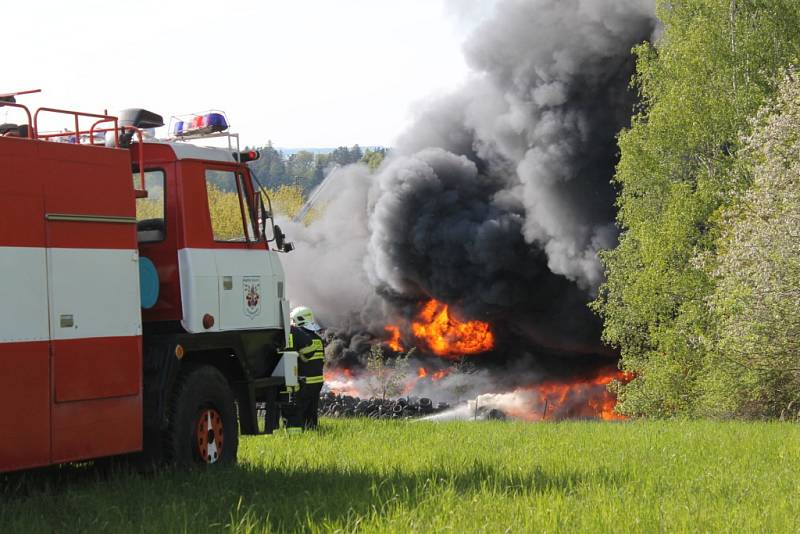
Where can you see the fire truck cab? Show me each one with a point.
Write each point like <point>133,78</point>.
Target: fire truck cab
<point>142,297</point>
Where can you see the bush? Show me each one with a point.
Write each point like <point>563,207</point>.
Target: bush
<point>753,367</point>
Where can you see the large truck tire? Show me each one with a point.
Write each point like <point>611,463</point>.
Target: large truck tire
<point>203,427</point>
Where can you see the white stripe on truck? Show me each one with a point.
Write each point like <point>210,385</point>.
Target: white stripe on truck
<point>23,295</point>
<point>90,293</point>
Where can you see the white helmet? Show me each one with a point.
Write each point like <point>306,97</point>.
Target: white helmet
<point>303,316</point>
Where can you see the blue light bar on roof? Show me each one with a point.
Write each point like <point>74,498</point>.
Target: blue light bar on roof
<point>201,124</point>
<point>217,122</point>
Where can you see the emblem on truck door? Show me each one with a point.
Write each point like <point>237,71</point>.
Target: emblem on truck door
<point>251,287</point>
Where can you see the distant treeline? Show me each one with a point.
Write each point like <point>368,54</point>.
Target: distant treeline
<point>306,169</point>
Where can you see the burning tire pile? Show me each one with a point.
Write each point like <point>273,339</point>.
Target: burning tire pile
<point>355,393</point>
<point>335,405</point>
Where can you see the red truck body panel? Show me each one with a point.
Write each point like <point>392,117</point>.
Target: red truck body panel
<point>69,393</point>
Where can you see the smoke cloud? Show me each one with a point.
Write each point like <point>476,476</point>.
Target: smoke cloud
<point>327,269</point>
<point>498,198</point>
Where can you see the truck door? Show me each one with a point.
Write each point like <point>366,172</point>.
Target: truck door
<point>94,307</point>
<point>247,279</point>
<point>157,231</point>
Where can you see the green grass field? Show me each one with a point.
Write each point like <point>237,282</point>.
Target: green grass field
<point>371,476</point>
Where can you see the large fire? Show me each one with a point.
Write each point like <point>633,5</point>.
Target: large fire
<point>437,331</point>
<point>585,398</point>
<point>447,336</point>
<point>545,401</point>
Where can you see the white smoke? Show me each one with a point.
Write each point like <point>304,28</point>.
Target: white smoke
<point>326,270</point>
<point>514,405</point>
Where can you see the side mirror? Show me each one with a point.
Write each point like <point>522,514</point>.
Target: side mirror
<point>280,238</point>
<point>280,241</point>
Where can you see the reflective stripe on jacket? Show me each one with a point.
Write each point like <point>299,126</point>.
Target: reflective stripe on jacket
<point>314,351</point>
<point>311,351</point>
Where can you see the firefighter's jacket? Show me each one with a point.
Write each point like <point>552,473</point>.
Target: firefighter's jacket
<point>311,349</point>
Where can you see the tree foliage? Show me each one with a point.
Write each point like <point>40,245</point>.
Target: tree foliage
<point>226,214</point>
<point>374,157</point>
<point>287,200</point>
<point>149,208</point>
<point>754,351</point>
<point>387,376</point>
<point>305,169</point>
<point>715,64</point>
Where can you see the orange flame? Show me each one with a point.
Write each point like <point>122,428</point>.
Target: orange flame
<point>449,337</point>
<point>394,342</point>
<point>423,373</point>
<point>587,398</point>
<point>438,375</point>
<point>435,376</point>
<point>341,382</point>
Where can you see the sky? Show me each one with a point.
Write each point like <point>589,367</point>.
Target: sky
<point>299,73</point>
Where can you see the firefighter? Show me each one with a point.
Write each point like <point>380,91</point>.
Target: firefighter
<point>311,348</point>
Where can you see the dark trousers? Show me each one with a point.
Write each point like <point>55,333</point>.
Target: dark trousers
<point>302,412</point>
<point>308,403</point>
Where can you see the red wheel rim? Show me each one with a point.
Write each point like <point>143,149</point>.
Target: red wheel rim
<point>209,436</point>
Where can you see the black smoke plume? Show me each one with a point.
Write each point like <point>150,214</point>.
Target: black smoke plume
<point>499,197</point>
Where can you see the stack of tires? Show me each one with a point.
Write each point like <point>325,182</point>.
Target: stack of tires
<point>333,405</point>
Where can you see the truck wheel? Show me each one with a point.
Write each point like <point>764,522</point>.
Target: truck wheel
<point>203,427</point>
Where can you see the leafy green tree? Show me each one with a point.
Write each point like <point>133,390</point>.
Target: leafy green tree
<point>320,168</point>
<point>270,167</point>
<point>345,156</point>
<point>356,154</point>
<point>340,156</point>
<point>387,376</point>
<point>277,170</point>
<point>226,213</point>
<point>301,165</point>
<point>753,366</point>
<point>715,64</point>
<point>374,157</point>
<point>287,200</point>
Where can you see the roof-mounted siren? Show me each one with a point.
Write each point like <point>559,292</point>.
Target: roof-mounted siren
<point>200,124</point>
<point>138,118</point>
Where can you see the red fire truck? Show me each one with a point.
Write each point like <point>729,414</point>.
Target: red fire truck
<point>134,314</point>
